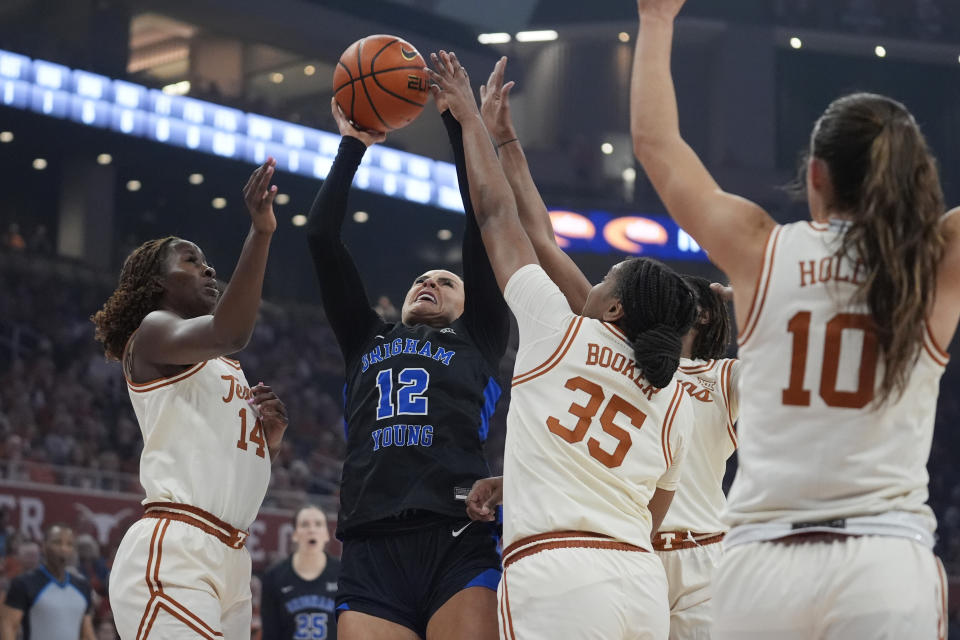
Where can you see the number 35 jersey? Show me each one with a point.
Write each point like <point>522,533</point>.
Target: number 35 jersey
<point>589,439</point>
<point>202,444</point>
<point>816,444</point>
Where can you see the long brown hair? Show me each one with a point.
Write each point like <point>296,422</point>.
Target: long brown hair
<point>885,178</point>
<point>138,293</point>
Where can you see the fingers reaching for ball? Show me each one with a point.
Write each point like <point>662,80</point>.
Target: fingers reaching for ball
<point>451,85</point>
<point>347,128</point>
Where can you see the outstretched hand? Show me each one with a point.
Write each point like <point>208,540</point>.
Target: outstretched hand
<point>495,104</point>
<point>347,128</point>
<point>258,195</point>
<point>451,86</point>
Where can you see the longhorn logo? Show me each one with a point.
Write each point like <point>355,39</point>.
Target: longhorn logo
<point>103,522</point>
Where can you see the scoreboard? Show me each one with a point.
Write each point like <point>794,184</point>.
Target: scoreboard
<point>95,100</point>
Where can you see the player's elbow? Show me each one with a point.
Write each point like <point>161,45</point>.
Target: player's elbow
<point>233,339</point>
<point>646,143</point>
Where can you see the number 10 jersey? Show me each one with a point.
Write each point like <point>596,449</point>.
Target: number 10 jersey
<point>589,439</point>
<point>816,444</point>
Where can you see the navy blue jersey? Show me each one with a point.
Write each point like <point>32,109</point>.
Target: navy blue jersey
<point>51,609</point>
<point>296,609</point>
<point>418,404</point>
<point>417,399</point>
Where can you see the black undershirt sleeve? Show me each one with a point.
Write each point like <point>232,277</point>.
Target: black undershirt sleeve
<point>341,288</point>
<point>485,312</point>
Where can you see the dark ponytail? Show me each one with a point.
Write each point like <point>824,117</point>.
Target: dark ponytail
<point>712,335</point>
<point>658,309</point>
<point>885,179</point>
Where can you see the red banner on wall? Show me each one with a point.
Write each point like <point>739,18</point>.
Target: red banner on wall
<point>106,516</point>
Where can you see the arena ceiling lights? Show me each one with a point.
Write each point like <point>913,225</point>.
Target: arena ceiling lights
<point>94,100</point>
<point>98,101</point>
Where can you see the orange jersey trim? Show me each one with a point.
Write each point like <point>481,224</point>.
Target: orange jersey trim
<point>160,600</point>
<point>562,540</point>
<point>153,385</point>
<point>763,286</point>
<point>508,618</point>
<point>196,517</point>
<point>699,368</point>
<point>615,330</point>
<point>684,540</point>
<point>934,350</point>
<point>555,357</point>
<point>230,361</point>
<point>667,425</point>
<point>727,392</point>
<point>818,226</point>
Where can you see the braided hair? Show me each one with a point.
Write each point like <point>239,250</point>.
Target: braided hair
<point>713,336</point>
<point>138,293</point>
<point>658,309</point>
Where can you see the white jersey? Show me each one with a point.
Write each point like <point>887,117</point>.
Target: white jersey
<point>814,446</point>
<point>589,439</point>
<point>713,387</point>
<point>202,444</point>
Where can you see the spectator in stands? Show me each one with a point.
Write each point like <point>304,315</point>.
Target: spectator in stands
<point>298,593</point>
<point>91,565</point>
<point>49,603</point>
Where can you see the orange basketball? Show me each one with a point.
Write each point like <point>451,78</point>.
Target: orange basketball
<point>380,83</point>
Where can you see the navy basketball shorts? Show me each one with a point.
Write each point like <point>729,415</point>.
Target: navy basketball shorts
<point>407,576</point>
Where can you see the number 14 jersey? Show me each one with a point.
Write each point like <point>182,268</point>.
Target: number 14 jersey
<point>202,444</point>
<point>589,439</point>
<point>814,443</point>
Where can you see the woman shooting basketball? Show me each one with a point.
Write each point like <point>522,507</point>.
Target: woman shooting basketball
<point>419,395</point>
<point>843,322</point>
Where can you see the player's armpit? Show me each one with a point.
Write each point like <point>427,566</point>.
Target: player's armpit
<point>946,310</point>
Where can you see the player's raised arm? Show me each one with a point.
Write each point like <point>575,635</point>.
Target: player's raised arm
<point>731,229</point>
<point>166,337</point>
<point>341,288</point>
<point>507,245</point>
<point>485,312</point>
<point>495,109</point>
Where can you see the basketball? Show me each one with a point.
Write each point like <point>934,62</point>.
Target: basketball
<point>380,83</point>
